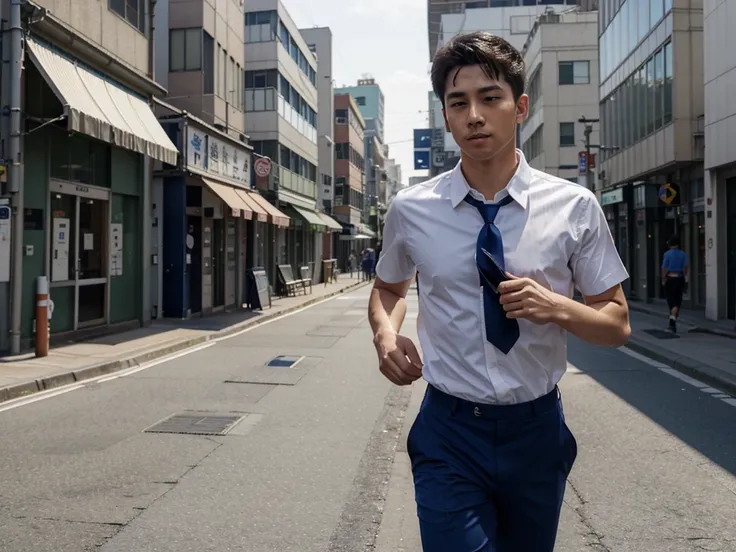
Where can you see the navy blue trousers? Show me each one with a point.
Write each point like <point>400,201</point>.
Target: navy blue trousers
<point>490,478</point>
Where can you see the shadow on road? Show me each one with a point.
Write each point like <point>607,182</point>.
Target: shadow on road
<point>697,419</point>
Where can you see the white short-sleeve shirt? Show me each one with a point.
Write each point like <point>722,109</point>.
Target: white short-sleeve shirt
<point>554,231</point>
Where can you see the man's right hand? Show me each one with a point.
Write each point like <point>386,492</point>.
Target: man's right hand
<point>398,357</point>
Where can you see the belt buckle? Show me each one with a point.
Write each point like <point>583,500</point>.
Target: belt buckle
<point>476,412</point>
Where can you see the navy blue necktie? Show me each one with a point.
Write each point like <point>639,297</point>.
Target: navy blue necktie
<point>501,332</point>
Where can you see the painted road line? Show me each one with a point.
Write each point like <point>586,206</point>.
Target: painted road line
<point>642,358</point>
<point>43,395</point>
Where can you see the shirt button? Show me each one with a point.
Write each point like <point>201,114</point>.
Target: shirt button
<point>476,412</point>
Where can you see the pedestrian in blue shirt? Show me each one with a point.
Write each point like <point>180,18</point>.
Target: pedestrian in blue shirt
<point>675,266</point>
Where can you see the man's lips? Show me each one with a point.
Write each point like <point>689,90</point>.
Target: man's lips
<point>477,137</point>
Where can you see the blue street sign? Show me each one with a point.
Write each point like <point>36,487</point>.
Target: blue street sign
<point>583,163</point>
<point>421,160</point>
<point>422,138</point>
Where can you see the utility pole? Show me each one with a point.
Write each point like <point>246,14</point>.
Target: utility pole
<point>588,131</point>
<point>15,172</point>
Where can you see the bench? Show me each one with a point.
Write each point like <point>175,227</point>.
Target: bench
<point>290,283</point>
<point>306,275</point>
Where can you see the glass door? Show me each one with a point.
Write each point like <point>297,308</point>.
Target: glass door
<point>79,255</point>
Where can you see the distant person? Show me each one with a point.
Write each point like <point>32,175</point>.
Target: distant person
<point>501,246</point>
<point>675,266</point>
<point>353,262</point>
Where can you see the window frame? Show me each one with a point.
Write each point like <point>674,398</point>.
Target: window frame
<point>141,12</point>
<point>566,145</point>
<point>572,64</point>
<point>183,32</point>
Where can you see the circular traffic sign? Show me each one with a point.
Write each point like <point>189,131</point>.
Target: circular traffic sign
<point>262,166</point>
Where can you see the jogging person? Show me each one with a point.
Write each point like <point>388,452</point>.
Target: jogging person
<point>675,266</point>
<point>499,247</point>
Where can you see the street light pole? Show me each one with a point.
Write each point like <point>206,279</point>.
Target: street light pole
<point>588,131</point>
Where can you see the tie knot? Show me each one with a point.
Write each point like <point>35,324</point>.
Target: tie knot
<point>488,210</point>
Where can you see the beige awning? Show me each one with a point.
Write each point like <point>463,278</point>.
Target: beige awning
<point>100,108</point>
<point>246,196</point>
<point>229,195</point>
<point>331,223</point>
<point>277,217</point>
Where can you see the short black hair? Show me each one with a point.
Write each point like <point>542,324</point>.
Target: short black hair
<point>674,241</point>
<point>498,59</point>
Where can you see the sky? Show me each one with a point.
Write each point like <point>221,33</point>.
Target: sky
<point>386,39</point>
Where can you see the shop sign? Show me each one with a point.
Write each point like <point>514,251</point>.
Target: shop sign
<point>212,156</point>
<point>614,196</point>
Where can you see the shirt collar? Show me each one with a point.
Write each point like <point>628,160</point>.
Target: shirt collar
<point>517,188</point>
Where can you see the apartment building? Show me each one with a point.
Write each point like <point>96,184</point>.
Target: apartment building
<point>651,176</point>
<point>720,160</point>
<point>369,97</point>
<point>561,57</point>
<point>509,19</point>
<point>89,140</point>
<point>210,217</point>
<point>281,119</point>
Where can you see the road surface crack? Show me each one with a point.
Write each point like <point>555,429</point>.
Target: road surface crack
<point>62,520</point>
<point>593,535</point>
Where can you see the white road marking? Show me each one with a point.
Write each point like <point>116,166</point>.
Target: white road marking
<point>715,393</point>
<point>642,358</point>
<point>43,395</point>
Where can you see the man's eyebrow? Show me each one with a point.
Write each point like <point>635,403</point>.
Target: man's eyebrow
<point>484,90</point>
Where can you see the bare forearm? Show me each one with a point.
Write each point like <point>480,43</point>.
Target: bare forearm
<point>605,323</point>
<point>386,310</point>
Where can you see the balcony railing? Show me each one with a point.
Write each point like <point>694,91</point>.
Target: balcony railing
<point>297,183</point>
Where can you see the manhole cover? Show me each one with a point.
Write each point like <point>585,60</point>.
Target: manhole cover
<point>196,424</point>
<point>662,334</point>
<point>285,361</point>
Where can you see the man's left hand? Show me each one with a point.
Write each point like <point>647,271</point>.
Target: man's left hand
<point>525,298</point>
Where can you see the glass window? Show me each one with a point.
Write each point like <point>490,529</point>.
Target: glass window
<point>650,96</point>
<point>185,50</point>
<point>667,83</point>
<point>633,12</point>
<point>574,72</point>
<point>658,88</point>
<point>656,10</point>
<point>208,63</point>
<point>643,18</point>
<point>643,108</point>
<point>133,11</point>
<point>667,6</point>
<point>176,50</point>
<point>567,134</point>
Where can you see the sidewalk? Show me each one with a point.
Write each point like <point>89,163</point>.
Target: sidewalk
<point>24,374</point>
<point>702,349</point>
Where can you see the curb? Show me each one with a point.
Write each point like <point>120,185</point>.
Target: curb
<point>695,327</point>
<point>88,372</point>
<point>702,372</point>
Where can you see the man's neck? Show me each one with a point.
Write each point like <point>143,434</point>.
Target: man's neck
<point>490,176</point>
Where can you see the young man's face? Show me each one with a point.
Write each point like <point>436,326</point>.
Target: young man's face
<point>481,112</point>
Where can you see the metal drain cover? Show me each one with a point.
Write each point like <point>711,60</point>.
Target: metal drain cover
<point>285,361</point>
<point>196,424</point>
<point>662,334</point>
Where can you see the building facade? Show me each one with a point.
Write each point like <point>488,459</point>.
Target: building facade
<point>370,100</point>
<point>200,60</point>
<point>350,169</point>
<point>561,56</point>
<point>90,137</point>
<point>652,117</point>
<point>720,160</point>
<point>281,119</point>
<point>319,41</point>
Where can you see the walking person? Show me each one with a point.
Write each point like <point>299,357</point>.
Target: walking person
<point>500,247</point>
<point>675,264</point>
<point>353,262</point>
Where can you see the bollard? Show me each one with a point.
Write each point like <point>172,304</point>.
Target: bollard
<point>42,316</point>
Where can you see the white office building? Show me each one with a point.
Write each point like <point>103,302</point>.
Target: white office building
<point>561,57</point>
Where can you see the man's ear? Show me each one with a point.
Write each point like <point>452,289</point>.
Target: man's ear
<point>522,108</point>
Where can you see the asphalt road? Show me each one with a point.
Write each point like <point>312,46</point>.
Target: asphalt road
<point>317,462</point>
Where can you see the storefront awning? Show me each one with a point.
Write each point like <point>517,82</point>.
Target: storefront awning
<point>331,223</point>
<point>230,196</point>
<point>309,217</point>
<point>101,109</point>
<point>277,217</point>
<point>260,213</point>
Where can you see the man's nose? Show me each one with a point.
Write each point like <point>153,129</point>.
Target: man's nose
<point>474,115</point>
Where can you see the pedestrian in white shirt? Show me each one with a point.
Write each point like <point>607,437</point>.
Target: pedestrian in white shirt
<point>499,247</point>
